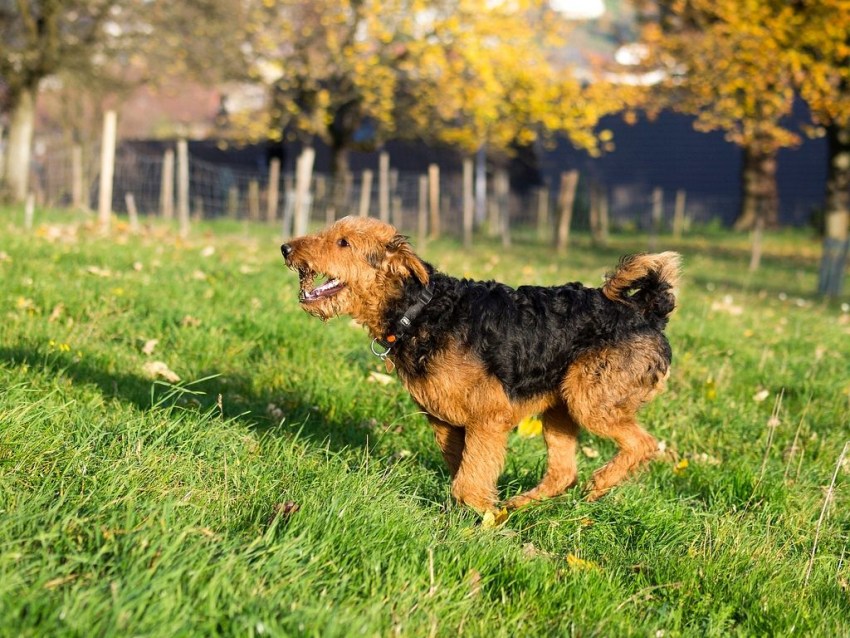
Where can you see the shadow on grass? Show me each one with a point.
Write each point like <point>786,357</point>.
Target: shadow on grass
<point>255,410</point>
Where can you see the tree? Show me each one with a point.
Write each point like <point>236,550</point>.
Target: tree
<point>465,72</point>
<point>331,66</point>
<point>728,64</point>
<point>821,53</point>
<point>37,39</point>
<point>105,47</point>
<point>493,79</point>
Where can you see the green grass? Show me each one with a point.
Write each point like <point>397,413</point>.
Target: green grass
<point>130,506</point>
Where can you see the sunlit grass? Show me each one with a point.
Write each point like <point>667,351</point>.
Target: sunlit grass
<point>270,488</point>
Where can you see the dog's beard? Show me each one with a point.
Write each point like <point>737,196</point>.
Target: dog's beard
<point>322,300</point>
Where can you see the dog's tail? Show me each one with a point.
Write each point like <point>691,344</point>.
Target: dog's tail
<point>648,282</point>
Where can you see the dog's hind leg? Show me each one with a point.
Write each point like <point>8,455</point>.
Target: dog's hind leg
<point>636,447</point>
<point>560,432</point>
<point>451,440</point>
<point>603,392</point>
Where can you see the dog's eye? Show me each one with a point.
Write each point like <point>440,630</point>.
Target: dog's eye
<point>342,243</point>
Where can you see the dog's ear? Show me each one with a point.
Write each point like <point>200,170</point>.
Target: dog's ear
<point>402,260</point>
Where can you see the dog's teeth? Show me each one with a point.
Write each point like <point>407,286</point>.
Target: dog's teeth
<point>319,291</point>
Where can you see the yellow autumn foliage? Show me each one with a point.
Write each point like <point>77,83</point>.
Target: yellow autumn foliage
<point>465,72</point>
<point>727,62</point>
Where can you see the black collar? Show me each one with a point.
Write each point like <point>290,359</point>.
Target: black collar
<point>391,339</point>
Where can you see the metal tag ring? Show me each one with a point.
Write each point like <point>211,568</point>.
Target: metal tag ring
<point>380,355</point>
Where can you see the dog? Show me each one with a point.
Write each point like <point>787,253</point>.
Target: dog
<point>479,356</point>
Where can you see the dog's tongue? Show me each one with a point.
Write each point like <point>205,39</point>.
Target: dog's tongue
<point>330,287</point>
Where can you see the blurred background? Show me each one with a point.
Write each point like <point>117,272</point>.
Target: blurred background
<point>452,116</point>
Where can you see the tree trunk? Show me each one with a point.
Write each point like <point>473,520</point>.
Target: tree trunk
<point>836,211</point>
<point>759,193</point>
<point>19,151</point>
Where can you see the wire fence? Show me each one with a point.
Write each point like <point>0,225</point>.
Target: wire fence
<point>238,192</point>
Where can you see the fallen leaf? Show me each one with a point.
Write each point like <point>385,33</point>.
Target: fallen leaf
<point>58,309</point>
<point>209,251</point>
<point>589,452</point>
<point>275,412</point>
<point>761,395</point>
<point>158,369</point>
<point>58,582</point>
<point>379,377</point>
<point>97,271</point>
<point>474,578</point>
<point>289,507</point>
<point>24,303</point>
<point>150,346</point>
<point>580,564</point>
<point>492,519</point>
<point>190,322</point>
<point>728,306</point>
<point>703,457</point>
<point>530,426</point>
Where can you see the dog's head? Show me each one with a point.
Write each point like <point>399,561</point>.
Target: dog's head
<point>353,267</point>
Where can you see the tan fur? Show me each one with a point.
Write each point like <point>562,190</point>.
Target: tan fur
<point>460,395</point>
<point>604,390</point>
<point>667,264</point>
<point>468,409</point>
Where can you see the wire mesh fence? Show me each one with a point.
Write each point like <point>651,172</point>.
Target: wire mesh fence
<point>218,190</point>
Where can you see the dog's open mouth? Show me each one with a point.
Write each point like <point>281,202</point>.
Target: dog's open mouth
<point>310,292</point>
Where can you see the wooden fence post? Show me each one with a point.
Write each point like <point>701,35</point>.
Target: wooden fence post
<point>303,176</point>
<point>598,214</point>
<point>384,187</point>
<point>481,185</point>
<point>29,211</point>
<point>468,202</point>
<point>679,215</point>
<point>566,199</point>
<point>77,178</point>
<point>233,202</point>
<point>107,169</point>
<point>657,217</point>
<point>253,200</point>
<point>396,210</point>
<point>197,208</point>
<point>501,186</point>
<point>604,217</point>
<point>320,199</point>
<point>183,186</point>
<point>543,214</point>
<point>422,213</point>
<point>132,212</point>
<point>274,190</point>
<point>434,199</point>
<point>166,191</point>
<point>365,193</point>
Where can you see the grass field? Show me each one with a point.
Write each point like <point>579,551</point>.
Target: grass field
<point>281,488</point>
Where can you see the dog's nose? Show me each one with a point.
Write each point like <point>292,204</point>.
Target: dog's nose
<point>286,250</point>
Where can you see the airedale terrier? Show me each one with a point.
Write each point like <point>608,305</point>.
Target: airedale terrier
<point>479,356</point>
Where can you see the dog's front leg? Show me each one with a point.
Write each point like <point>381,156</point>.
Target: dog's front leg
<point>450,438</point>
<point>480,466</point>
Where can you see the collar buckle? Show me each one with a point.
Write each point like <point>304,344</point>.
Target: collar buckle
<point>404,324</point>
